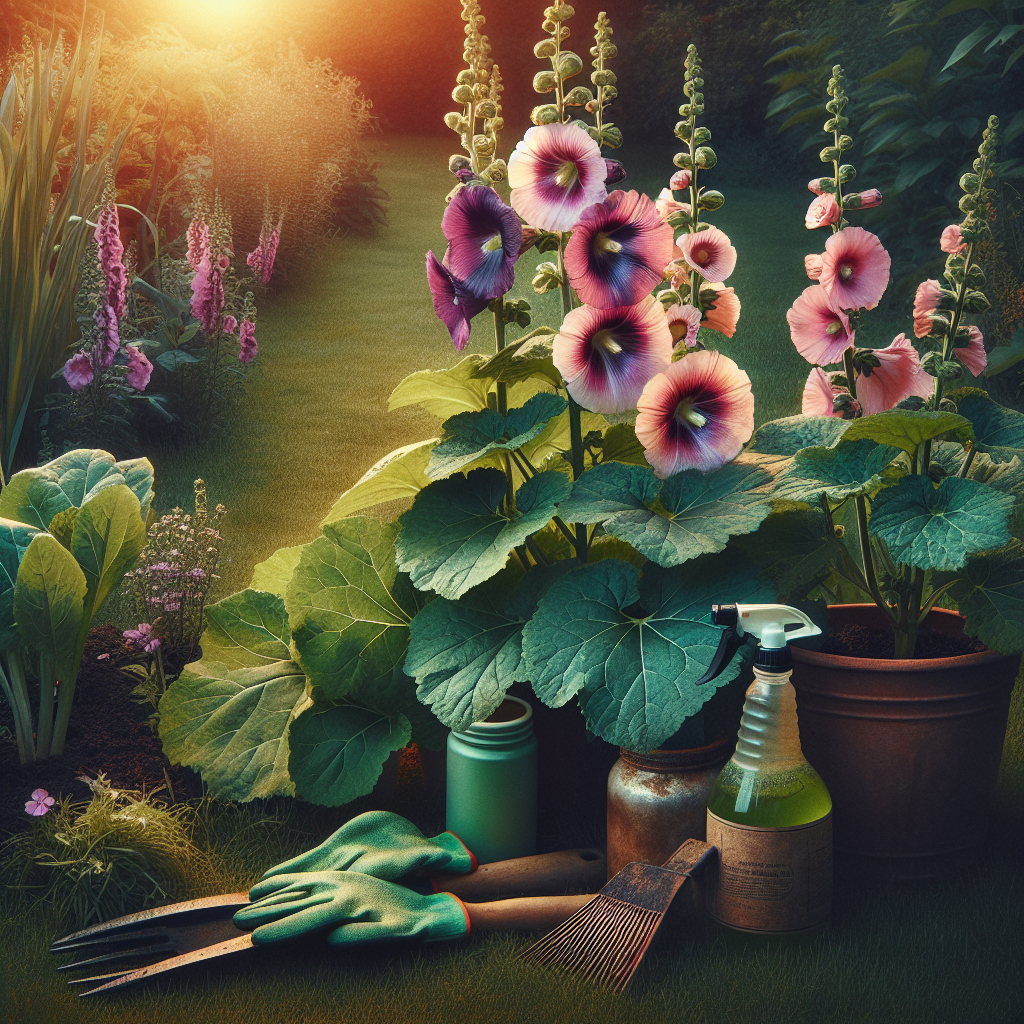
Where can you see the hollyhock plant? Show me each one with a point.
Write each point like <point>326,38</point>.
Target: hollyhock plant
<point>618,251</point>
<point>484,236</point>
<point>606,356</point>
<point>78,371</point>
<point>820,332</point>
<point>824,210</point>
<point>696,415</point>
<point>897,376</point>
<point>684,322</point>
<point>710,253</point>
<point>854,269</point>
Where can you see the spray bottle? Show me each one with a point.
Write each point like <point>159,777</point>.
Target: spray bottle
<point>769,812</point>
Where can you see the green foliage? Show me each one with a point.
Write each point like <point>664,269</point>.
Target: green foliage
<point>908,430</point>
<point>788,435</point>
<point>990,593</point>
<point>850,468</point>
<point>246,629</point>
<point>999,432</point>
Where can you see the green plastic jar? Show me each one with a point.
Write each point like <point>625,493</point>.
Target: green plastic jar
<point>492,784</point>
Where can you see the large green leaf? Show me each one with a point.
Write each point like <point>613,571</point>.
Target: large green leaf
<point>525,358</point>
<point>454,537</point>
<point>444,392</point>
<point>247,629</point>
<point>990,593</point>
<point>907,430</point>
<point>138,475</point>
<point>49,603</point>
<point>635,648</point>
<point>338,750</point>
<point>14,541</point>
<point>350,608</point>
<point>232,726</point>
<point>998,431</point>
<point>670,522</point>
<point>788,435</point>
<point>938,527</point>
<point>107,539</point>
<point>848,469</point>
<point>620,444</point>
<point>401,474</point>
<point>273,574</point>
<point>470,436</point>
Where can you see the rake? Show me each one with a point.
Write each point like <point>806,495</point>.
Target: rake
<point>605,940</point>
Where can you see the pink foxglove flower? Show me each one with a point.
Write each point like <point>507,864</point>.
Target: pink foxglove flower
<point>722,314</point>
<point>229,324</point>
<point>108,241</point>
<point>819,393</point>
<point>198,235</point>
<point>207,297</point>
<point>813,265</point>
<point>974,357</point>
<point>108,344</point>
<point>683,322</point>
<point>618,251</point>
<point>555,173</point>
<point>140,369</point>
<point>247,341</point>
<point>680,180</point>
<point>855,269</point>
<point>926,301</point>
<point>261,259</point>
<point>898,376</point>
<point>824,210</point>
<point>40,803</point>
<point>952,240</point>
<point>484,236</point>
<point>606,356</point>
<point>820,332</point>
<point>695,415</point>
<point>452,303</point>
<point>710,253</point>
<point>78,371</point>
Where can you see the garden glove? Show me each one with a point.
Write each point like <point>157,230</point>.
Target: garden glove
<point>384,845</point>
<point>358,908</point>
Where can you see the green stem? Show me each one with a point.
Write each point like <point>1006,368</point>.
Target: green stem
<point>867,559</point>
<point>66,690</point>
<point>851,373</point>
<point>47,687</point>
<point>16,691</point>
<point>966,467</point>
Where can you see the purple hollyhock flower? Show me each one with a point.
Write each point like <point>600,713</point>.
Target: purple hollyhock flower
<point>140,369</point>
<point>78,371</point>
<point>614,172</point>
<point>452,303</point>
<point>483,241</point>
<point>618,251</point>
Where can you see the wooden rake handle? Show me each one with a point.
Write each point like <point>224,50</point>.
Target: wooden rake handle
<point>527,914</point>
<point>546,874</point>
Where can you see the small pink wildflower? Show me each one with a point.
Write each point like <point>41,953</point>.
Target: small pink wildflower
<point>40,803</point>
<point>140,369</point>
<point>142,638</point>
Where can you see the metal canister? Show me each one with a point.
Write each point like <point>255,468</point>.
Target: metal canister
<point>492,784</point>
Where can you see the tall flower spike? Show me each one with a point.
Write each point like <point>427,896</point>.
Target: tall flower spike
<point>606,356</point>
<point>820,332</point>
<point>854,269</point>
<point>618,251</point>
<point>110,250</point>
<point>207,296</point>
<point>484,236</point>
<point>198,235</point>
<point>696,415</point>
<point>247,341</point>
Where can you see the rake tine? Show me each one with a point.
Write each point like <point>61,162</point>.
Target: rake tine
<point>125,954</point>
<point>236,945</point>
<point>110,940</point>
<point>96,977</point>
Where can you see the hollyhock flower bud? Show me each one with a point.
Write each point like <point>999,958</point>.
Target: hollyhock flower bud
<point>140,369</point>
<point>616,172</point>
<point>198,235</point>
<point>926,301</point>
<point>863,200</point>
<point>680,180</point>
<point>815,185</point>
<point>108,242</point>
<point>952,239</point>
<point>207,296</point>
<point>823,210</point>
<point>247,341</point>
<point>898,376</point>
<point>78,371</point>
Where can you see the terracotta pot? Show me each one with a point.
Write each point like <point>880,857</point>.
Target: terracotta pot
<point>909,750</point>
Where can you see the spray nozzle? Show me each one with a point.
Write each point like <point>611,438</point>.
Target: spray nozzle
<point>768,623</point>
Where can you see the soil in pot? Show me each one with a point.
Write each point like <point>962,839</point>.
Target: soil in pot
<point>858,641</point>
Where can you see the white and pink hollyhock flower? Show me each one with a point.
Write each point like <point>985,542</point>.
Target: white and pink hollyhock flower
<point>261,259</point>
<point>926,301</point>
<point>812,265</point>
<point>710,253</point>
<point>820,332</point>
<point>683,322</point>
<point>722,314</point>
<point>484,236</point>
<point>606,356</point>
<point>247,341</point>
<point>952,239</point>
<point>198,235</point>
<point>207,297</point>
<point>555,173</point>
<point>452,303</point>
<point>110,250</point>
<point>819,393</point>
<point>618,251</point>
<point>855,269</point>
<point>974,357</point>
<point>40,803</point>
<point>140,369</point>
<point>666,205</point>
<point>898,376</point>
<point>78,371</point>
<point>824,210</point>
<point>680,180</point>
<point>696,415</point>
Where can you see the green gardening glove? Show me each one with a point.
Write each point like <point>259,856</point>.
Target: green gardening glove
<point>384,845</point>
<point>358,908</point>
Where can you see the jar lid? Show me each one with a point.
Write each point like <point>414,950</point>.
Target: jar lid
<point>692,759</point>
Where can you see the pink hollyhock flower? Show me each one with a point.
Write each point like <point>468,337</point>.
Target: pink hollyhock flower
<point>683,322</point>
<point>229,324</point>
<point>452,303</point>
<point>606,356</point>
<point>723,314</point>
<point>974,357</point>
<point>40,803</point>
<point>823,210</point>
<point>614,172</point>
<point>207,296</point>
<point>666,205</point>
<point>261,259</point>
<point>863,200</point>
<point>140,369</point>
<point>618,251</point>
<point>555,173</point>
<point>695,415</point>
<point>78,371</point>
<point>819,393</point>
<point>710,253</point>
<point>820,332</point>
<point>926,301</point>
<point>247,341</point>
<point>142,638</point>
<point>484,236</point>
<point>813,265</point>
<point>680,180</point>
<point>109,342</point>
<point>952,239</point>
<point>898,376</point>
<point>108,241</point>
<point>855,269</point>
<point>198,235</point>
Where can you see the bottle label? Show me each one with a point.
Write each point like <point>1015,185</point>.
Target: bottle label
<point>771,879</point>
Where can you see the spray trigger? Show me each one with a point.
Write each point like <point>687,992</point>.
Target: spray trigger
<point>728,644</point>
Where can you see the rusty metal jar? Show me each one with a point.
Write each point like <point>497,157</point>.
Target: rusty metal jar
<point>658,800</point>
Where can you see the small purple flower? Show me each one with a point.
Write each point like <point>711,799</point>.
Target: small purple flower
<point>142,638</point>
<point>40,803</point>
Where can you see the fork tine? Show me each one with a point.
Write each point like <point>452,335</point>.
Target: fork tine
<point>110,940</point>
<point>236,945</point>
<point>96,977</point>
<point>122,954</point>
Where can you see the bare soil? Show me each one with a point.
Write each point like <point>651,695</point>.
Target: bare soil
<point>854,641</point>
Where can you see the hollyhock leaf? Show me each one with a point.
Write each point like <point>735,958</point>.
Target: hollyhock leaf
<point>998,431</point>
<point>337,750</point>
<point>274,573</point>
<point>850,468</point>
<point>788,435</point>
<point>454,537</point>
<point>14,541</point>
<point>990,594</point>
<point>349,608</point>
<point>470,436</point>
<point>938,527</point>
<point>232,726</point>
<point>522,360</point>
<point>247,629</point>
<point>905,429</point>
<point>444,392</point>
<point>400,474</point>
<point>620,444</point>
<point>634,647</point>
